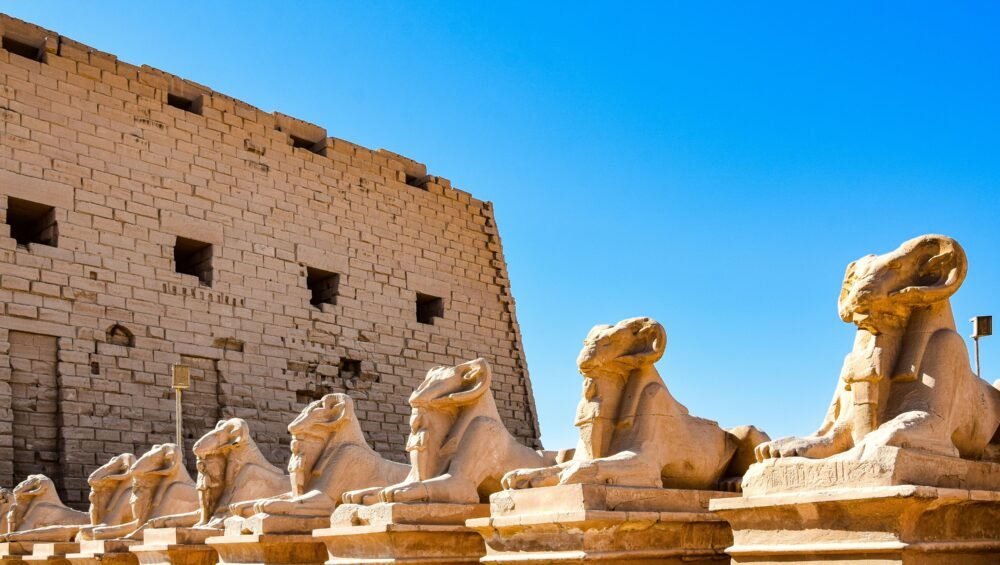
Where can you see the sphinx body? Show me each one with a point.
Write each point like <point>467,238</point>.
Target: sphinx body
<point>231,469</point>
<point>908,381</point>
<point>632,430</point>
<point>459,447</point>
<point>160,486</point>
<point>38,514</point>
<point>330,456</point>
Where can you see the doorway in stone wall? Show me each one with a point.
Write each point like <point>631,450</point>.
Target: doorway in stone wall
<point>200,404</point>
<point>34,384</point>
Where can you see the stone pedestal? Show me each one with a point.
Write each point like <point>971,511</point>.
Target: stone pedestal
<point>12,552</point>
<point>896,507</point>
<point>263,539</point>
<point>403,533</point>
<point>603,524</point>
<point>104,552</point>
<point>50,553</point>
<point>176,546</point>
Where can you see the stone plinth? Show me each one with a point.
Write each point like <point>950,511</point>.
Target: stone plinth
<point>176,546</point>
<point>52,553</point>
<point>264,539</point>
<point>104,552</point>
<point>603,524</point>
<point>797,510</point>
<point>403,533</point>
<point>13,551</point>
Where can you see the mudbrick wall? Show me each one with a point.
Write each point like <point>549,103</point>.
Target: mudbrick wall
<point>149,221</point>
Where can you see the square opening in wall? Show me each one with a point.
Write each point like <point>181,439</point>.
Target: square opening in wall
<point>194,258</point>
<point>31,222</point>
<point>323,286</point>
<point>28,51</point>
<point>192,105</point>
<point>428,308</point>
<point>317,147</point>
<point>350,369</point>
<point>417,182</point>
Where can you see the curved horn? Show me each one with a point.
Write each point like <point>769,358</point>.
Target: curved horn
<point>654,343</point>
<point>170,454</point>
<point>479,372</point>
<point>949,262</point>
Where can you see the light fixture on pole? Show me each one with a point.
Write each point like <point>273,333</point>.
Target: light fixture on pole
<point>181,379</point>
<point>982,326</point>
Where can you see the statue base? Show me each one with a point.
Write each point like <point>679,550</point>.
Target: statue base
<point>104,552</point>
<point>264,539</point>
<point>50,552</point>
<point>12,552</point>
<point>603,524</point>
<point>797,510</point>
<point>420,533</point>
<point>176,546</point>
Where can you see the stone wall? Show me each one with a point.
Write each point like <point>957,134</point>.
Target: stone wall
<point>151,221</point>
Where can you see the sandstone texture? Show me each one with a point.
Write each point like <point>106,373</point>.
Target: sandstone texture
<point>146,220</point>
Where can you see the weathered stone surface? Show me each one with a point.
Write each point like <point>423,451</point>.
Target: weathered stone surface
<point>39,515</point>
<point>905,467</point>
<point>632,431</point>
<point>128,172</point>
<point>459,447</point>
<point>884,466</point>
<point>255,549</point>
<point>104,552</point>
<point>176,546</point>
<point>603,524</point>
<point>161,486</point>
<point>329,457</point>
<point>908,381</point>
<point>403,533</point>
<point>913,525</point>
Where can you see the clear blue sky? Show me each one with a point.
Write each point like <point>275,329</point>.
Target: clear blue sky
<point>715,166</point>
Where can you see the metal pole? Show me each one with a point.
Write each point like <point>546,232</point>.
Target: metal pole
<point>976,339</point>
<point>179,420</point>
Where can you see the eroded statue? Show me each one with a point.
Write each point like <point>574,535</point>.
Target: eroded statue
<point>231,469</point>
<point>6,500</point>
<point>161,486</point>
<point>330,456</point>
<point>38,514</point>
<point>459,447</point>
<point>632,430</point>
<point>110,491</point>
<point>908,381</point>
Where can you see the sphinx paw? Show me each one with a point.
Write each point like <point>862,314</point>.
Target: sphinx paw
<point>408,492</point>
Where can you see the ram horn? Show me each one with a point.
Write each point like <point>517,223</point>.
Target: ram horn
<point>949,262</point>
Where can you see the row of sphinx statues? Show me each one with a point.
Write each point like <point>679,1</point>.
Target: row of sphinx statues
<point>907,382</point>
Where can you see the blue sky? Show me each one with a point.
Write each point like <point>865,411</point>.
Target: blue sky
<point>713,165</point>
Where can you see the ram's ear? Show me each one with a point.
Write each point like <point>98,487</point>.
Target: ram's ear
<point>476,378</point>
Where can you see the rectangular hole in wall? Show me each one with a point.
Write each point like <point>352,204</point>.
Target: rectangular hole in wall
<point>323,286</point>
<point>350,369</point>
<point>33,52</point>
<point>31,222</point>
<point>317,147</point>
<point>193,257</point>
<point>428,308</point>
<point>417,182</point>
<point>192,105</point>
